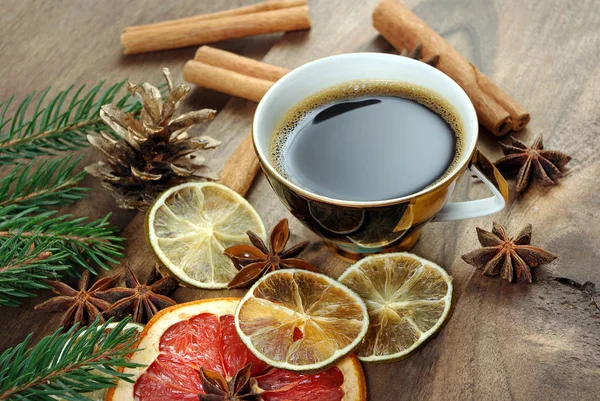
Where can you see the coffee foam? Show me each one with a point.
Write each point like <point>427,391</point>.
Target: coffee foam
<point>354,90</point>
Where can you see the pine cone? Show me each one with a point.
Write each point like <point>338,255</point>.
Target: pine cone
<point>155,152</point>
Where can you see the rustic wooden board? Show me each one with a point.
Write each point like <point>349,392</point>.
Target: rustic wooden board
<point>503,341</point>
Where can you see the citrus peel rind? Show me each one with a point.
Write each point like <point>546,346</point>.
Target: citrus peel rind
<point>148,344</point>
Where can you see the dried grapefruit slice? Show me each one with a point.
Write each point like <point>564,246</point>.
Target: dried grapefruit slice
<point>181,339</point>
<point>301,321</point>
<point>189,226</point>
<point>408,298</point>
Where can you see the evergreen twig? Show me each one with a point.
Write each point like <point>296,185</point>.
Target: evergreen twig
<point>36,243</point>
<point>67,364</point>
<point>81,240</point>
<point>51,183</point>
<point>24,264</point>
<point>41,245</point>
<point>60,125</point>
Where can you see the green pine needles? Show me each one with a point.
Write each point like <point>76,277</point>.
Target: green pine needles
<point>61,125</point>
<point>51,183</point>
<point>24,267</point>
<point>66,365</point>
<point>37,243</point>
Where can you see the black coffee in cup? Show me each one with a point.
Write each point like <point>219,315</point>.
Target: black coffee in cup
<point>368,141</point>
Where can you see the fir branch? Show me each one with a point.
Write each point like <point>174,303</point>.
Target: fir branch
<point>67,365</point>
<point>24,265</point>
<point>52,183</point>
<point>60,125</point>
<point>83,241</point>
<point>36,243</point>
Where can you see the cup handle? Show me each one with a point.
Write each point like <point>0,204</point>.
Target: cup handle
<point>483,168</point>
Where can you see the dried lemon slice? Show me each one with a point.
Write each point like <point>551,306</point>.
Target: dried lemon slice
<point>299,320</point>
<point>408,299</point>
<point>190,225</point>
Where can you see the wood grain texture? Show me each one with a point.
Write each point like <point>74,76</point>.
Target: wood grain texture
<point>503,341</point>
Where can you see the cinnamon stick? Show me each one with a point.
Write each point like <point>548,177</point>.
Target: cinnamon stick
<point>495,109</point>
<point>226,81</point>
<point>243,65</point>
<point>254,8</point>
<point>241,168</point>
<point>182,34</point>
<point>520,116</point>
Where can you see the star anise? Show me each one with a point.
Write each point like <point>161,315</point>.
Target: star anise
<point>141,300</point>
<point>417,54</point>
<point>81,305</point>
<point>256,260</point>
<point>507,256</point>
<point>216,387</point>
<point>525,162</point>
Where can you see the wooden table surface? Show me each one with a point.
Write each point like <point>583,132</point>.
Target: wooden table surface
<point>503,341</point>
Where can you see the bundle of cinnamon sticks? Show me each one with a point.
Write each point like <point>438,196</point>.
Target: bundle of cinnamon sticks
<point>232,74</point>
<point>250,79</point>
<point>495,109</point>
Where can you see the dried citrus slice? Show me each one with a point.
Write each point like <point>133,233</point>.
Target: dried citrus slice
<point>408,299</point>
<point>299,320</point>
<point>190,225</point>
<point>178,341</point>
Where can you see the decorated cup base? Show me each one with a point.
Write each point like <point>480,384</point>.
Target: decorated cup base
<point>405,244</point>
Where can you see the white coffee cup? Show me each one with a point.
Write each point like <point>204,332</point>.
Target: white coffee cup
<point>424,205</point>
